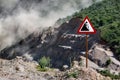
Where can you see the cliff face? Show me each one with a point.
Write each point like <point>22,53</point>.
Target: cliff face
<point>60,44</point>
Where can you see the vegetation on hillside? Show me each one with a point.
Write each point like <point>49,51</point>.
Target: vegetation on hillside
<point>107,73</point>
<point>44,62</point>
<point>105,16</point>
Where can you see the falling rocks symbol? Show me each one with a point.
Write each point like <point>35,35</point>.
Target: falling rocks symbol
<point>85,27</point>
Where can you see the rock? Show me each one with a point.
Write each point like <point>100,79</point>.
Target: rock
<point>71,79</point>
<point>49,77</point>
<point>65,67</point>
<point>19,68</point>
<point>18,57</point>
<point>75,64</point>
<point>28,57</point>
<point>56,70</point>
<point>99,56</point>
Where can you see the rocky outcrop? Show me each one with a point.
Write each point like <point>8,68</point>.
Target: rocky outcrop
<point>104,58</point>
<point>99,56</point>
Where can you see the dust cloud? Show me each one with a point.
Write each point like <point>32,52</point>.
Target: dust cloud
<point>19,18</point>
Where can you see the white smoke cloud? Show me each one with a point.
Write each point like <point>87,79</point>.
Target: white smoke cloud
<point>8,3</point>
<point>20,18</point>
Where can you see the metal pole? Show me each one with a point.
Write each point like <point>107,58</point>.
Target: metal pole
<point>86,51</point>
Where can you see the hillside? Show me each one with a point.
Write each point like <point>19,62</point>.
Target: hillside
<point>105,16</point>
<point>63,50</point>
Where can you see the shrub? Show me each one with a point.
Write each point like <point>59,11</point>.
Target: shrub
<point>73,74</point>
<point>43,63</point>
<point>108,62</point>
<point>107,73</point>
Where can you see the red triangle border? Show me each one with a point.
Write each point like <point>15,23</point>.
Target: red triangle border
<point>78,32</point>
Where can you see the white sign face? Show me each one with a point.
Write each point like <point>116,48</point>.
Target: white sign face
<point>86,27</point>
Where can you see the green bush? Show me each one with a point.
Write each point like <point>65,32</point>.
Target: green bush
<point>107,73</point>
<point>43,63</point>
<point>73,74</point>
<point>108,62</point>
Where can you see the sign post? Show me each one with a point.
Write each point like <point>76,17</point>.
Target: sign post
<point>86,28</point>
<point>86,50</point>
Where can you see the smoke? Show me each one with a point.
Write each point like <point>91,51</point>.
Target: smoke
<point>19,18</point>
<point>8,4</point>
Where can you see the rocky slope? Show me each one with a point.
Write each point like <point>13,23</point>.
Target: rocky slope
<point>21,69</point>
<point>101,55</point>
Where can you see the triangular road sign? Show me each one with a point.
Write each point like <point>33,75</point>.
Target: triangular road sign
<point>86,27</point>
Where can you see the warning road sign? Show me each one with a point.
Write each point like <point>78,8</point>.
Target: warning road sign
<point>86,27</point>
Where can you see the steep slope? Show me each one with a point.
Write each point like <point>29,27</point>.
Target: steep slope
<point>105,16</point>
<point>60,44</point>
